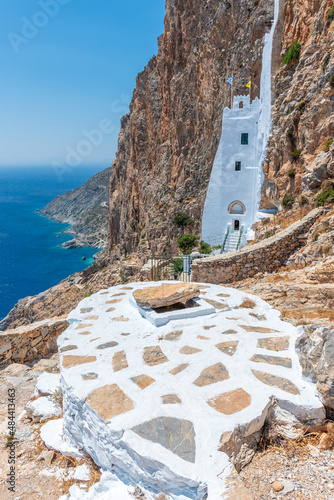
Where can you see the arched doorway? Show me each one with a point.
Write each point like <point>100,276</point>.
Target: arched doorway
<point>237,207</point>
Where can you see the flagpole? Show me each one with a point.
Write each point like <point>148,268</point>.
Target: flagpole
<point>232,92</point>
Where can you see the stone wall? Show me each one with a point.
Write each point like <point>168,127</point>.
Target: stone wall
<point>30,342</point>
<point>267,256</point>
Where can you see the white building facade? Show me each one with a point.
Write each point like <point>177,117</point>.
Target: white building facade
<point>234,191</point>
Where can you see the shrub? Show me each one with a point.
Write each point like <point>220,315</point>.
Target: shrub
<point>288,201</point>
<point>330,13</point>
<point>186,242</point>
<point>289,133</point>
<point>295,154</point>
<point>292,53</point>
<point>182,219</point>
<point>268,234</point>
<point>327,196</point>
<point>302,200</point>
<point>88,295</point>
<point>204,247</point>
<point>292,174</point>
<point>301,105</point>
<point>178,266</point>
<point>327,145</point>
<point>217,247</point>
<point>331,80</point>
<point>326,60</point>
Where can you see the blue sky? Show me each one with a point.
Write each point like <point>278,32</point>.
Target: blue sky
<point>68,69</point>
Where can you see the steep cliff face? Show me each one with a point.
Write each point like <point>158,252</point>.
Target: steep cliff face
<point>303,112</point>
<point>168,142</point>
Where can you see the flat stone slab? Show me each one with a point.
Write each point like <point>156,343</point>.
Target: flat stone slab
<point>216,304</point>
<point>172,433</point>
<point>228,348</point>
<point>275,381</point>
<point>70,361</point>
<point>119,361</point>
<point>189,350</point>
<point>231,402</point>
<point>143,381</point>
<point>212,375</point>
<point>257,329</point>
<point>154,356</point>
<point>171,399</point>
<point>272,360</point>
<point>109,401</point>
<point>151,400</point>
<point>274,343</point>
<point>173,336</point>
<point>179,369</point>
<point>165,295</point>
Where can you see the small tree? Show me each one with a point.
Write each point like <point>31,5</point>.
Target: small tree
<point>292,53</point>
<point>182,219</point>
<point>288,201</point>
<point>186,242</point>
<point>204,247</point>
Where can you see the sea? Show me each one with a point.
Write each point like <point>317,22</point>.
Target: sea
<point>31,258</point>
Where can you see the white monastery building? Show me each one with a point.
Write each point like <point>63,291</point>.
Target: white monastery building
<point>233,197</point>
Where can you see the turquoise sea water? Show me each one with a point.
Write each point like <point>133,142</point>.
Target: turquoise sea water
<point>31,259</point>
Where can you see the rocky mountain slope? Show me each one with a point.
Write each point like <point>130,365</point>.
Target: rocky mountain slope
<point>300,156</point>
<point>86,210</point>
<point>168,142</point>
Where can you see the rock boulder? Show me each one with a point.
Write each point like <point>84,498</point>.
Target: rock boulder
<point>165,295</point>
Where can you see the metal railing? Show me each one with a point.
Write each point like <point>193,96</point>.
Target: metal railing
<point>171,267</point>
<point>225,240</point>
<point>240,235</point>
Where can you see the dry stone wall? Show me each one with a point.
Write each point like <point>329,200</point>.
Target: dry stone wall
<point>267,256</point>
<point>31,342</point>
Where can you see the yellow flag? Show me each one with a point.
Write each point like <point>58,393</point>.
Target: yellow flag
<point>249,84</point>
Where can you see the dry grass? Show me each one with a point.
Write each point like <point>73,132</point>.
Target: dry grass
<point>247,304</point>
<point>293,447</point>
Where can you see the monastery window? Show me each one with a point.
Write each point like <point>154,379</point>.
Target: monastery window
<point>241,105</point>
<point>237,207</point>
<point>238,166</point>
<point>244,138</point>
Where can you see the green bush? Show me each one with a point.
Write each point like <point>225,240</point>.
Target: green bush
<point>186,242</point>
<point>292,174</point>
<point>204,247</point>
<point>331,81</point>
<point>327,145</point>
<point>292,53</point>
<point>327,196</point>
<point>88,294</point>
<point>288,201</point>
<point>326,60</point>
<point>268,234</point>
<point>178,266</point>
<point>295,154</point>
<point>330,13</point>
<point>301,105</point>
<point>302,200</point>
<point>289,133</point>
<point>182,219</point>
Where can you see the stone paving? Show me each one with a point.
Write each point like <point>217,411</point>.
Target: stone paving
<point>151,403</point>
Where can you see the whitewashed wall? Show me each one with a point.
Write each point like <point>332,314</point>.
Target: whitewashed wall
<point>227,185</point>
